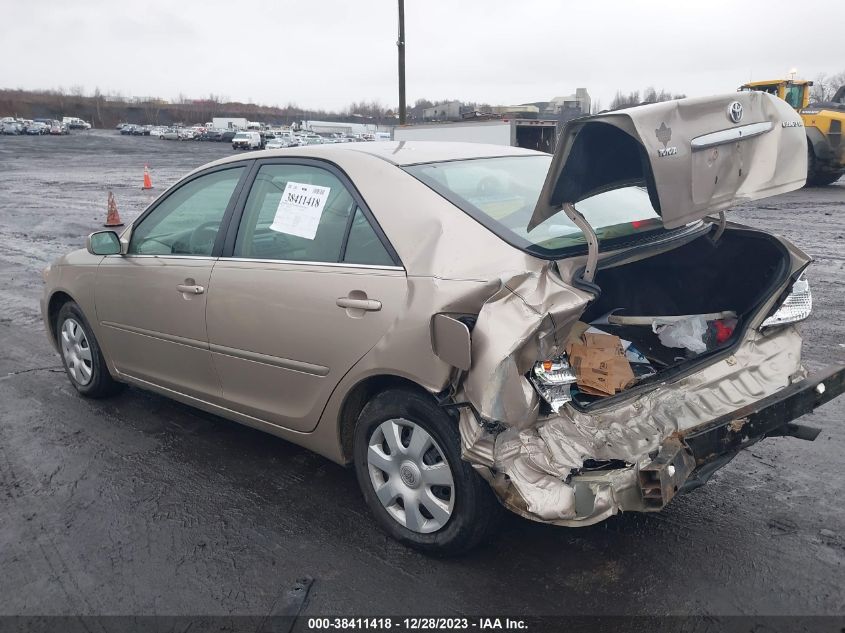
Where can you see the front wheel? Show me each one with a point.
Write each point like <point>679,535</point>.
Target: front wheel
<point>816,175</point>
<point>409,468</point>
<point>81,356</point>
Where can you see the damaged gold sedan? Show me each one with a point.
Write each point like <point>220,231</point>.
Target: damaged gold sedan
<point>572,336</point>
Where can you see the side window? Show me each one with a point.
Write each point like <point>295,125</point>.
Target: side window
<point>794,95</point>
<point>188,220</point>
<point>363,245</point>
<point>294,212</point>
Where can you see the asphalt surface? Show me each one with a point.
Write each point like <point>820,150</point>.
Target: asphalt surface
<point>139,505</point>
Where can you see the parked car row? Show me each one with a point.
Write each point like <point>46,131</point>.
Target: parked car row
<point>285,138</point>
<point>240,139</point>
<point>12,126</point>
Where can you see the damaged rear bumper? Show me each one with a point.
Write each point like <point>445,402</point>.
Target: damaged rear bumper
<point>685,459</point>
<point>713,445</point>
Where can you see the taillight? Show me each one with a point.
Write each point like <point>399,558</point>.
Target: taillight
<point>552,379</point>
<point>796,307</point>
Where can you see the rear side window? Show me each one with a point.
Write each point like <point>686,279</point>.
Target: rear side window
<point>295,213</point>
<point>303,213</point>
<point>363,245</point>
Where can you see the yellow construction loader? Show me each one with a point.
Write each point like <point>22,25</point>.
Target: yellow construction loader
<point>823,122</point>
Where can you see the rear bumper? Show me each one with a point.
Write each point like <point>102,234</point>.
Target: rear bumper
<point>769,416</point>
<point>686,459</point>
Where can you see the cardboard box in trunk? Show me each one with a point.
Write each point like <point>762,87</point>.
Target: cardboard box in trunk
<point>600,365</point>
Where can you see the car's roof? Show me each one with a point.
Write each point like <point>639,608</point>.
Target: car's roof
<point>396,152</point>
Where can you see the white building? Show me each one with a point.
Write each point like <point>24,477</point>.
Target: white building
<point>443,112</point>
<point>580,100</point>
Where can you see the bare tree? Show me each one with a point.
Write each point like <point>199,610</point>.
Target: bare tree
<point>650,95</point>
<point>621,100</point>
<point>60,100</point>
<point>825,86</point>
<point>152,110</point>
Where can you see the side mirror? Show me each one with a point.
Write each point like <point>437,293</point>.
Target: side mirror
<point>103,243</point>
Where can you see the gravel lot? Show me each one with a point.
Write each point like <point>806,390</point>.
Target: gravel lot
<point>139,505</point>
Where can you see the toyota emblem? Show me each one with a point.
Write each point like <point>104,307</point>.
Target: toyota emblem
<point>735,111</point>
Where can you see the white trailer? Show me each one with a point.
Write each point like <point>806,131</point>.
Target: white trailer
<point>229,123</point>
<point>538,134</point>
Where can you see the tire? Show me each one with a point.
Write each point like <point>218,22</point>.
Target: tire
<point>828,179</point>
<point>817,177</point>
<point>822,180</point>
<point>448,519</point>
<point>81,355</point>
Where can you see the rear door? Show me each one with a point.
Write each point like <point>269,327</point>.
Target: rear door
<point>694,156</point>
<point>310,287</point>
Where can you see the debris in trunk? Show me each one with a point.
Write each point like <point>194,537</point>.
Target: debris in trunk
<point>696,333</point>
<point>601,367</point>
<point>687,333</point>
<point>721,330</point>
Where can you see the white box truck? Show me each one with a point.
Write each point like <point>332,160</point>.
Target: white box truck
<point>538,134</point>
<point>229,123</point>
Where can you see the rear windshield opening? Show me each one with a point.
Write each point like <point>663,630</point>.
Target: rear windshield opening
<point>501,194</point>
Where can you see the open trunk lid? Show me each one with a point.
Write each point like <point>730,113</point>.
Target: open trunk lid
<point>695,156</point>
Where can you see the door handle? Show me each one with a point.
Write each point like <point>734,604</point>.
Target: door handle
<point>190,290</point>
<point>370,305</point>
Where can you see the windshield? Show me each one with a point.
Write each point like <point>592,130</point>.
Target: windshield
<point>501,194</point>
<point>241,136</point>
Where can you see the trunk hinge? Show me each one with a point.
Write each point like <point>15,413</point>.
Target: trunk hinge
<point>722,222</point>
<point>592,241</point>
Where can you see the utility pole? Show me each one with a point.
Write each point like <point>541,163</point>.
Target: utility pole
<point>401,46</point>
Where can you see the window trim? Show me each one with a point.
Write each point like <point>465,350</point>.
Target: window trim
<point>299,262</point>
<point>238,215</point>
<point>228,214</point>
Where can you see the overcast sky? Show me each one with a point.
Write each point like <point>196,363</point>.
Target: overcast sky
<point>327,53</point>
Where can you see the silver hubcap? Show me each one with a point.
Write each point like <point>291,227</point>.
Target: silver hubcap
<point>76,352</point>
<point>411,476</point>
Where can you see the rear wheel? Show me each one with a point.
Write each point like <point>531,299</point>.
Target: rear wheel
<point>409,468</point>
<point>81,356</point>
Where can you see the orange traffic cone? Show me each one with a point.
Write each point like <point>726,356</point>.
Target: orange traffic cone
<point>113,217</point>
<point>148,183</point>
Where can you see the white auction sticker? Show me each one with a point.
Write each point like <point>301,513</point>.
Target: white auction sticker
<point>300,210</point>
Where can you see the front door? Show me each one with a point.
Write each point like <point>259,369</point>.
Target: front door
<point>310,289</point>
<point>151,301</point>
